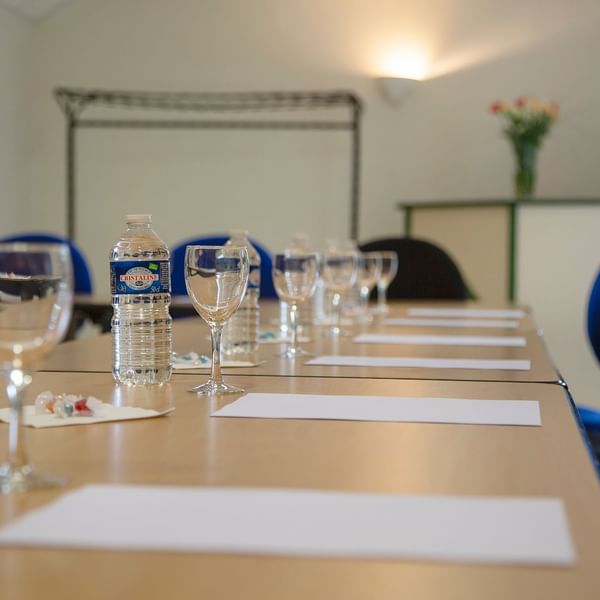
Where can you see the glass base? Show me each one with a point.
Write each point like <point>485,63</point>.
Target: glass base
<point>22,479</point>
<point>380,309</point>
<point>294,352</point>
<point>211,388</point>
<point>365,318</point>
<point>335,332</point>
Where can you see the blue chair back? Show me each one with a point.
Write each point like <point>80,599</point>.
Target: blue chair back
<point>178,258</point>
<point>82,279</point>
<point>593,317</point>
<point>589,416</point>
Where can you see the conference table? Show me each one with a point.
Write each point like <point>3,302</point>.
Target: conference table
<point>192,335</point>
<point>190,447</point>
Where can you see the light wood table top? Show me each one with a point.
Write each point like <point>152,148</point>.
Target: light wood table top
<point>182,306</point>
<point>191,448</point>
<point>191,334</point>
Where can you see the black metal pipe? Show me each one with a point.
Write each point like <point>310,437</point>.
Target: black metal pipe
<point>74,101</point>
<point>195,124</point>
<point>70,181</point>
<point>355,174</point>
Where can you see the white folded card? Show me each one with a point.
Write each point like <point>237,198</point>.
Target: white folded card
<point>441,340</point>
<point>302,523</point>
<point>193,360</point>
<point>276,337</point>
<point>384,408</point>
<point>424,363</point>
<point>107,413</point>
<point>492,313</point>
<point>482,323</point>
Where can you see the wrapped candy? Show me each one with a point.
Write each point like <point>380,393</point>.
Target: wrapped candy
<point>44,403</point>
<point>66,405</point>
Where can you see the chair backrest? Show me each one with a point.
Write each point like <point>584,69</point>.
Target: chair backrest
<point>82,280</point>
<point>589,416</point>
<point>425,271</point>
<point>178,257</point>
<point>593,317</point>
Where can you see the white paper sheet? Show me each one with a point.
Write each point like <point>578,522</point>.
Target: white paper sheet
<point>424,363</point>
<point>479,323</point>
<point>491,313</point>
<point>384,408</point>
<point>106,414</point>
<point>441,340</point>
<point>303,523</point>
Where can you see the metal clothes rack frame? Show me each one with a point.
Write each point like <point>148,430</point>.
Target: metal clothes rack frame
<point>74,102</point>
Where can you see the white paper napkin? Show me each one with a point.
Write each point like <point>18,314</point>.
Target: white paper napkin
<point>422,363</point>
<point>491,313</point>
<point>480,323</point>
<point>442,340</point>
<point>192,360</point>
<point>105,414</point>
<point>384,408</point>
<point>528,531</point>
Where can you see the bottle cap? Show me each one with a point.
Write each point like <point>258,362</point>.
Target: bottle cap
<point>301,241</point>
<point>138,218</point>
<point>238,233</point>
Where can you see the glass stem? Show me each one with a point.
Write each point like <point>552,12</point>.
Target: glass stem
<point>381,296</point>
<point>336,303</point>
<point>17,454</point>
<point>215,335</point>
<point>293,327</point>
<point>364,300</point>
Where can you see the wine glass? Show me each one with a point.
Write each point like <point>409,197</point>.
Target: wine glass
<point>295,276</point>
<point>369,272</point>
<point>216,278</point>
<point>36,296</point>
<point>389,268</point>
<point>339,270</point>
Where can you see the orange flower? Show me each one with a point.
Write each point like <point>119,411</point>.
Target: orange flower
<point>497,106</point>
<point>526,120</point>
<point>552,110</point>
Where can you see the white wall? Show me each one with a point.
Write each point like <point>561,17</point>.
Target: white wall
<point>441,143</point>
<point>558,287</point>
<point>15,46</point>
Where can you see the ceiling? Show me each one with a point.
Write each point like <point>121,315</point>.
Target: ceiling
<point>33,8</point>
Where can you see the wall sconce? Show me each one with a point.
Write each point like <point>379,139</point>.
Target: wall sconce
<point>395,88</point>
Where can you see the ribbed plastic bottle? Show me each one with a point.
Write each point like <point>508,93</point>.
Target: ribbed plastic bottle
<point>240,334</point>
<point>141,295</point>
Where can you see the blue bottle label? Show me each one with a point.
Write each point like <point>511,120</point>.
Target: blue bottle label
<point>140,277</point>
<point>254,276</point>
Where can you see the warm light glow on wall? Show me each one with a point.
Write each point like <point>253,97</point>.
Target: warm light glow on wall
<point>404,62</point>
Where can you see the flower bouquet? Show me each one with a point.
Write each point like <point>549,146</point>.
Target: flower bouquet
<point>527,120</point>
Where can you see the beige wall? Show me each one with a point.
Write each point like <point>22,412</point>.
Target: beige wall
<point>559,257</point>
<point>15,45</point>
<point>441,143</point>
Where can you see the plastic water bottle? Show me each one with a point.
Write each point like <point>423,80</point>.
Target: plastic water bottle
<point>240,334</point>
<point>141,294</point>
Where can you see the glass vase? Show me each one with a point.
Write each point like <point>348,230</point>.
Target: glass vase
<point>525,154</point>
